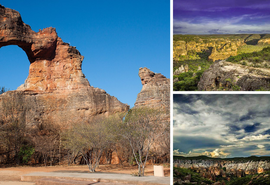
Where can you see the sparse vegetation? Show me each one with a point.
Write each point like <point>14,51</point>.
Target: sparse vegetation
<point>141,128</point>
<point>2,90</point>
<point>82,143</point>
<point>26,152</point>
<point>200,50</point>
<point>91,139</point>
<point>188,81</point>
<point>250,48</point>
<point>255,58</point>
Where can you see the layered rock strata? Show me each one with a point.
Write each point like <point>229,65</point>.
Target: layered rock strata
<point>225,75</point>
<point>56,89</point>
<point>155,91</point>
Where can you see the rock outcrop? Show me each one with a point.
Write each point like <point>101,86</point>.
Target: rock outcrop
<point>56,89</point>
<point>265,41</point>
<point>155,91</point>
<point>223,75</point>
<point>155,94</point>
<point>218,167</point>
<point>224,168</point>
<point>216,48</point>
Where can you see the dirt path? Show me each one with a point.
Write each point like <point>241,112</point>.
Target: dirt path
<point>12,175</point>
<point>16,183</point>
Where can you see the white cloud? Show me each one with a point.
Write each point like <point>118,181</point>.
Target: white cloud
<point>215,153</point>
<point>218,153</point>
<point>260,146</point>
<point>256,138</point>
<point>221,26</point>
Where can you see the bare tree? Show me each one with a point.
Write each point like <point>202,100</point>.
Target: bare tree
<point>141,128</point>
<point>13,127</point>
<point>90,139</point>
<point>46,138</point>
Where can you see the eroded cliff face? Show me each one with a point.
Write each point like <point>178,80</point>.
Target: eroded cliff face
<point>56,89</point>
<point>223,75</point>
<point>217,48</point>
<point>155,91</point>
<point>155,94</point>
<point>212,169</point>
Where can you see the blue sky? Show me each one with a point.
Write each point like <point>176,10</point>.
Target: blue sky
<point>220,125</point>
<point>221,17</point>
<point>116,38</point>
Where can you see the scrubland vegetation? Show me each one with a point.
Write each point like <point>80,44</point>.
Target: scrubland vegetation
<point>131,136</point>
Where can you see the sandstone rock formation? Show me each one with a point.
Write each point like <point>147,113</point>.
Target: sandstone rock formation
<point>56,89</point>
<point>155,91</point>
<point>224,167</point>
<point>218,48</point>
<point>225,75</point>
<point>265,41</point>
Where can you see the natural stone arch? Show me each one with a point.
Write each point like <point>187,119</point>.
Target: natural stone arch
<point>14,67</point>
<point>53,63</point>
<point>56,89</point>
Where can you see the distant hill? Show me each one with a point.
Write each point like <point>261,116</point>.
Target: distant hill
<point>250,158</point>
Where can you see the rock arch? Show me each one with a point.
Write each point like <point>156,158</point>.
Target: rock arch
<point>56,87</point>
<point>14,66</point>
<point>53,63</point>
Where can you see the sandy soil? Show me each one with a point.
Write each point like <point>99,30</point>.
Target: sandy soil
<point>10,174</point>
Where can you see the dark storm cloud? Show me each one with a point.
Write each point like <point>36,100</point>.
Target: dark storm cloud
<point>236,124</point>
<point>266,132</point>
<point>250,147</point>
<point>187,144</point>
<point>221,17</point>
<point>210,5</point>
<point>189,111</point>
<point>215,31</point>
<point>185,98</point>
<point>234,128</point>
<point>267,147</point>
<point>246,117</point>
<point>252,128</point>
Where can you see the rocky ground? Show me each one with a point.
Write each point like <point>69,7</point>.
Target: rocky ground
<point>223,75</point>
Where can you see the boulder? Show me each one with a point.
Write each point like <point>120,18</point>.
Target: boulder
<point>223,75</point>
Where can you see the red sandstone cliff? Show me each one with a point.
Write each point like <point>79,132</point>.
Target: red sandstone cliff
<point>56,89</point>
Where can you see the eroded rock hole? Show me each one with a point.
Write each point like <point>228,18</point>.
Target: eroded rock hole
<point>14,67</point>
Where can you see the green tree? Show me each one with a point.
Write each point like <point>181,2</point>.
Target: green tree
<point>2,90</point>
<point>26,152</point>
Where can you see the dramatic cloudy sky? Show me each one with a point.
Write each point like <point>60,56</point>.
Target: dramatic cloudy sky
<point>221,17</point>
<point>221,125</point>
